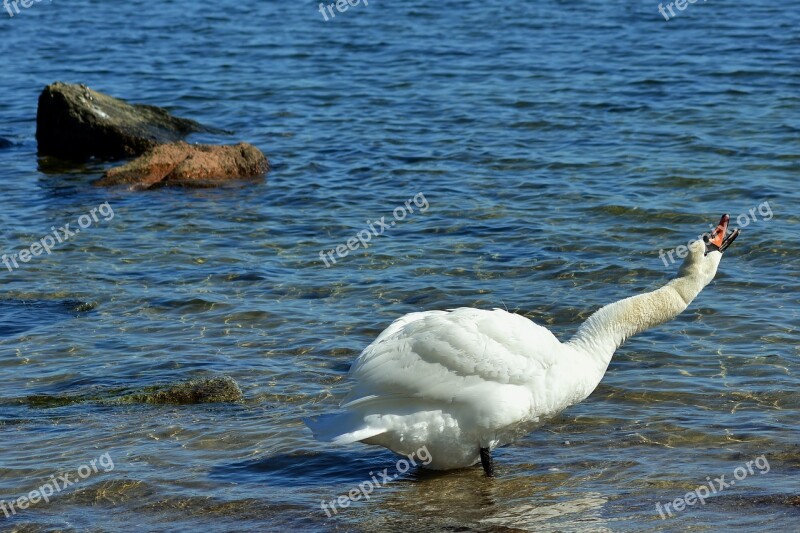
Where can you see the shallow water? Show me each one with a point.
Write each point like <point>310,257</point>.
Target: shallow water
<point>558,145</point>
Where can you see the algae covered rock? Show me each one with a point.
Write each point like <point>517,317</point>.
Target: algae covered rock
<point>203,390</point>
<point>219,389</point>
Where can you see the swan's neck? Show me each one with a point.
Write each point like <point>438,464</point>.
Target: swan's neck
<point>603,332</point>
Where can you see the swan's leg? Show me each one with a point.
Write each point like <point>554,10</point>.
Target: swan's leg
<point>486,461</point>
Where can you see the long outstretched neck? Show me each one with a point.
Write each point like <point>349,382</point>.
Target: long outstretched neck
<point>603,332</point>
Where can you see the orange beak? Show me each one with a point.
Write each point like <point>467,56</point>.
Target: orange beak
<point>719,240</point>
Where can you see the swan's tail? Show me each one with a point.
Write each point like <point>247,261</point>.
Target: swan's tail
<point>341,428</point>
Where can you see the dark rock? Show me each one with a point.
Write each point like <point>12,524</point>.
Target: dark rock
<point>207,390</point>
<point>18,315</point>
<point>5,143</point>
<point>188,165</point>
<point>74,122</point>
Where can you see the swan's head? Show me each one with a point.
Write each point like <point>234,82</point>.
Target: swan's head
<point>704,255</point>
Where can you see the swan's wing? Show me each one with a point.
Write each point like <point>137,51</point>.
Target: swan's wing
<point>437,355</point>
<point>401,323</point>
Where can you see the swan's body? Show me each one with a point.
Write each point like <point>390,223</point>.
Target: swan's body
<point>464,381</point>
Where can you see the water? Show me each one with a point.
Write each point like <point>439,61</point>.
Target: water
<point>559,146</point>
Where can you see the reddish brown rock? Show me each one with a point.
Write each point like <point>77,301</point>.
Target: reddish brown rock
<point>188,165</point>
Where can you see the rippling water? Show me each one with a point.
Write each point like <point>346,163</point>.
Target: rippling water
<point>559,146</point>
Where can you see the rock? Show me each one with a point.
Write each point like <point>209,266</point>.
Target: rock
<point>74,122</point>
<point>188,165</point>
<point>207,390</point>
<point>5,143</point>
<point>26,311</point>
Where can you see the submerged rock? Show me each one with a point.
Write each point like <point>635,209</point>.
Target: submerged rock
<point>75,122</point>
<point>188,165</point>
<point>203,390</point>
<point>206,390</point>
<point>18,315</point>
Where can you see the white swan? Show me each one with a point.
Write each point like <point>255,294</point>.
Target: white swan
<point>465,381</point>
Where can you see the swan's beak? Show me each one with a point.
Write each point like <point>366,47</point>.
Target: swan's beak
<point>719,240</point>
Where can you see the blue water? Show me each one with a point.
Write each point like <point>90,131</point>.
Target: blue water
<point>559,147</point>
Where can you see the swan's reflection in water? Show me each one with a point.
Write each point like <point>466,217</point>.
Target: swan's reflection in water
<point>465,500</point>
<point>581,513</point>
